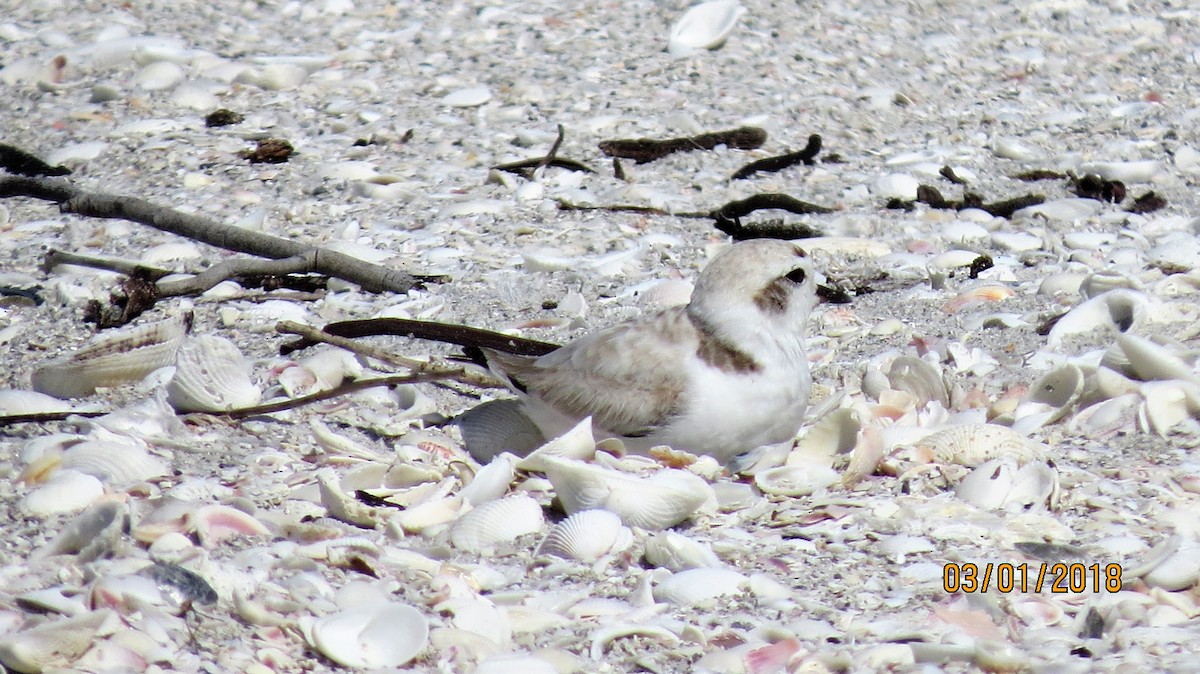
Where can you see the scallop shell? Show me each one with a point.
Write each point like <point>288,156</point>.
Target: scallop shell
<point>211,375</point>
<point>659,501</point>
<point>113,358</point>
<point>498,426</point>
<point>1121,309</point>
<point>497,522</point>
<point>973,444</point>
<point>676,552</point>
<point>586,536</point>
<point>691,587</point>
<point>577,443</point>
<point>53,645</point>
<point>704,26</point>
<point>376,636</point>
<point>115,463</point>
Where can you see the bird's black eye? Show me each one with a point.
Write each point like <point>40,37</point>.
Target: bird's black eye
<point>796,276</point>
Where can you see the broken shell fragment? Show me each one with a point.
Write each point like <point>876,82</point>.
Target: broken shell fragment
<point>53,645</point>
<point>1051,397</point>
<point>376,636</point>
<point>1119,309</point>
<point>113,358</point>
<point>797,480</point>
<point>91,534</point>
<point>586,536</point>
<point>999,484</point>
<point>676,552</point>
<point>973,444</point>
<point>704,26</point>
<point>211,375</point>
<point>918,378</point>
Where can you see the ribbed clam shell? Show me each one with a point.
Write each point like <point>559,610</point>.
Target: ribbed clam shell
<point>676,552</point>
<point>497,522</point>
<point>113,358</point>
<point>704,26</point>
<point>973,444</point>
<point>688,588</point>
<point>115,463</point>
<point>376,636</point>
<point>586,536</point>
<point>661,500</point>
<point>211,375</point>
<point>498,426</point>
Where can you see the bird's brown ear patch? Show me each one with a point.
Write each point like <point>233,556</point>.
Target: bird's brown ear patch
<point>773,299</point>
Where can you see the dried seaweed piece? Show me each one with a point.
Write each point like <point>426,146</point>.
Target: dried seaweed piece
<point>770,229</point>
<point>979,265</point>
<point>193,587</point>
<point>929,195</point>
<point>19,162</point>
<point>526,167</point>
<point>223,117</point>
<point>136,294</point>
<point>1006,207</point>
<point>765,201</point>
<point>1147,203</point>
<point>270,151</point>
<point>807,156</point>
<point>949,174</point>
<point>642,150</point>
<point>1041,174</point>
<point>1092,186</point>
<point>18,296</point>
<point>833,293</point>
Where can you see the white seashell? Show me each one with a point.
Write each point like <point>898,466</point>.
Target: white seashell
<point>918,378</point>
<point>497,426</point>
<point>834,433</point>
<point>215,523</point>
<point>1167,404</point>
<point>90,534</point>
<point>797,480</point>
<point>158,76</point>
<point>1062,283</point>
<point>343,507</point>
<point>973,444</point>
<point>1061,210</point>
<point>1052,396</point>
<point>1011,148</point>
<point>1017,242</point>
<point>1178,571</point>
<point>492,481</point>
<point>1088,240</point>
<point>847,245</point>
<point>1034,486</point>
<point>211,375</point>
<point>112,358</point>
<point>14,401</point>
<point>65,492</point>
<point>274,77</point>
<point>704,26</point>
<point>676,552</point>
<point>54,645</point>
<point>1142,171</point>
<point>115,463</point>
<point>586,536</point>
<point>1102,282</point>
<point>577,443</point>
<point>497,522</point>
<point>662,500</point>
<point>383,635</point>
<point>693,586</point>
<point>515,664</point>
<point>1149,361</point>
<point>471,97</point>
<point>1120,309</point>
<point>896,186</point>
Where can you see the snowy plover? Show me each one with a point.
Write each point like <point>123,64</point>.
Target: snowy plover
<point>721,376</point>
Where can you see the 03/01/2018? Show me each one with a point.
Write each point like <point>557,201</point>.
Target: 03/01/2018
<point>1059,578</point>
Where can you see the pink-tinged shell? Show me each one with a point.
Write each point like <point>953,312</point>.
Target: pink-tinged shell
<point>977,296</point>
<point>112,358</point>
<point>215,523</point>
<point>53,645</point>
<point>67,491</point>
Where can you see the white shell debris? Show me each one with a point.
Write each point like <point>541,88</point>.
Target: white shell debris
<point>496,522</point>
<point>211,375</point>
<point>375,636</point>
<point>112,358</point>
<point>658,501</point>
<point>706,25</point>
<point>586,536</point>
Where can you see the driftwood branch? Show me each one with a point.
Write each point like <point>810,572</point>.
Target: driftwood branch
<point>71,199</point>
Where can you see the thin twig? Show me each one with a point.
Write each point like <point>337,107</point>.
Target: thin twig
<point>55,257</point>
<point>344,389</point>
<point>553,149</point>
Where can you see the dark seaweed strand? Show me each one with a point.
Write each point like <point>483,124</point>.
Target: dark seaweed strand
<point>807,156</point>
<point>21,163</point>
<point>643,150</point>
<point>767,200</point>
<point>459,335</point>
<point>771,229</point>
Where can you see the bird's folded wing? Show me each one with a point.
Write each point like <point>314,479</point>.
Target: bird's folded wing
<point>630,378</point>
